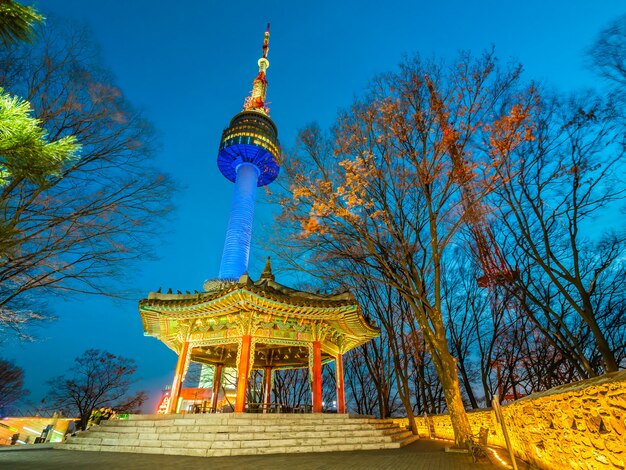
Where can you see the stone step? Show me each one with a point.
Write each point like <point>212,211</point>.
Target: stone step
<point>259,440</point>
<point>212,452</point>
<point>272,420</point>
<point>301,416</point>
<point>244,416</point>
<point>217,435</point>
<point>408,439</point>
<point>214,435</point>
<point>214,428</point>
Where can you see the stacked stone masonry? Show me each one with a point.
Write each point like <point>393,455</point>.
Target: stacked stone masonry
<point>241,434</point>
<point>576,426</point>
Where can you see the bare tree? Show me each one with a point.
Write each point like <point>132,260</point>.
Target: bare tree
<point>429,396</point>
<point>387,362</point>
<point>11,384</point>
<point>362,393</point>
<point>255,390</point>
<point>608,53</point>
<point>98,379</point>
<point>551,193</point>
<point>390,366</point>
<point>463,301</point>
<point>77,232</point>
<point>292,387</point>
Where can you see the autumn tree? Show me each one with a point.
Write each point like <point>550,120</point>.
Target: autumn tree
<point>11,384</point>
<point>383,191</point>
<point>79,230</point>
<point>97,379</point>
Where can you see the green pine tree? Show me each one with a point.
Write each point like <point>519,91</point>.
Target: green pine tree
<point>25,151</point>
<point>26,156</point>
<point>16,22</point>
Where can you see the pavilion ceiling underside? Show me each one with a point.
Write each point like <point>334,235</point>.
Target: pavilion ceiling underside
<point>265,355</point>
<point>330,346</point>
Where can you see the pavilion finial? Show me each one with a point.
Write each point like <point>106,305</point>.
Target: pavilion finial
<point>267,272</point>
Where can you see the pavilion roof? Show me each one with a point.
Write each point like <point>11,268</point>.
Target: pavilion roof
<point>163,313</point>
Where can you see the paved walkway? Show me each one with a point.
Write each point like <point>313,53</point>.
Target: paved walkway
<point>421,455</point>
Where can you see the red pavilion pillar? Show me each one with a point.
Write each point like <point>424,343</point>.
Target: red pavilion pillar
<point>243,371</point>
<point>177,385</point>
<point>217,380</point>
<point>341,393</point>
<point>317,377</point>
<point>268,388</point>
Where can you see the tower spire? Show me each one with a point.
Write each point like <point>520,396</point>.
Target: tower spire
<point>256,100</point>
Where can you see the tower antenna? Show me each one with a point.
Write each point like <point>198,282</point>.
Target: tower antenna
<point>256,100</point>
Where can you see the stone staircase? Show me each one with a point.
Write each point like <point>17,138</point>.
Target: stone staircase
<point>241,434</point>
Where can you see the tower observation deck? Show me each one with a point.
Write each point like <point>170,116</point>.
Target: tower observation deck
<point>249,155</point>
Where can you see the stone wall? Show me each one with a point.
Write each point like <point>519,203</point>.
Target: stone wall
<point>576,426</point>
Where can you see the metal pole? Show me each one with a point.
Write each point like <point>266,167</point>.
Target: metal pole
<point>495,403</point>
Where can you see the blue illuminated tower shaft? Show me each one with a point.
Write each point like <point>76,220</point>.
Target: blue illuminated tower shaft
<point>239,231</point>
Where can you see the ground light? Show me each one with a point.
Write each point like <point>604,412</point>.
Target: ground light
<point>497,456</point>
<point>500,460</point>
<point>31,430</point>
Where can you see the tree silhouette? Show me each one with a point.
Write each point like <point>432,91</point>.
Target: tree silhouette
<point>11,384</point>
<point>97,379</point>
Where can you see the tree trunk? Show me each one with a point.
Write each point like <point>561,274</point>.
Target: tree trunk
<point>484,377</point>
<point>610,364</point>
<point>402,382</point>
<point>411,417</point>
<point>451,390</point>
<point>468,386</point>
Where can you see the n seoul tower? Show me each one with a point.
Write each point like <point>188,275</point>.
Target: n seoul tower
<point>249,157</point>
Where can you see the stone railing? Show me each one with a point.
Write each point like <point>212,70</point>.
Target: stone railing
<point>575,426</point>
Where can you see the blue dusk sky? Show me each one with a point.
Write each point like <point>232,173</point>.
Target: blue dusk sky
<point>188,65</point>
